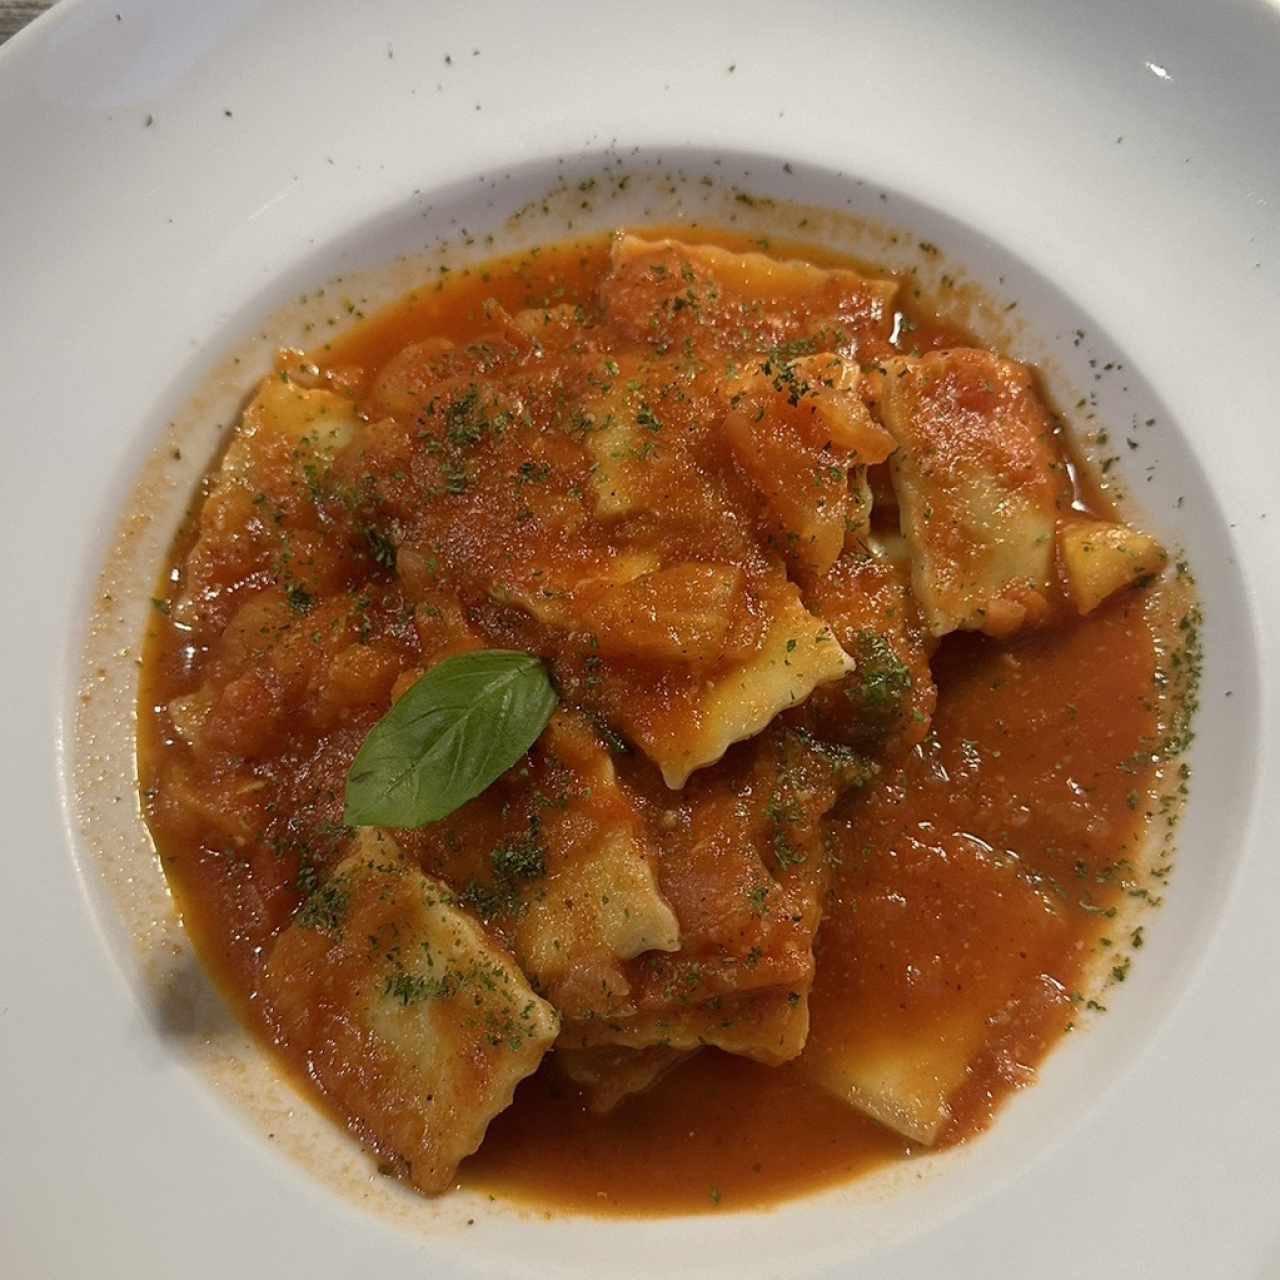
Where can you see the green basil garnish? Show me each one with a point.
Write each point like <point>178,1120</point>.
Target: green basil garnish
<point>464,724</point>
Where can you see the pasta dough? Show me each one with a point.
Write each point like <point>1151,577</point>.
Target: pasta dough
<point>1101,557</point>
<point>382,964</point>
<point>979,487</point>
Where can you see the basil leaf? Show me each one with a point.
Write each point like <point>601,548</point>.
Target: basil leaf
<point>464,723</point>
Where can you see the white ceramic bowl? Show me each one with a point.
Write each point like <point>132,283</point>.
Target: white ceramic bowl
<point>177,173</point>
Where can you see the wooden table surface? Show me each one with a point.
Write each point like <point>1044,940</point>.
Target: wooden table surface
<point>15,14</point>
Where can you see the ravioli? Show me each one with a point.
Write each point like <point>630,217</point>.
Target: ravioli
<point>382,968</point>
<point>259,513</point>
<point>437,370</point>
<point>890,1037</point>
<point>547,591</point>
<point>885,706</point>
<point>639,421</point>
<point>620,432</point>
<point>550,331</point>
<point>704,661</point>
<point>797,428</point>
<point>903,1085</point>
<point>797,653</point>
<point>1101,557</point>
<point>768,1026</point>
<point>599,903</point>
<point>745,872</point>
<point>610,1075</point>
<point>661,292</point>
<point>979,485</point>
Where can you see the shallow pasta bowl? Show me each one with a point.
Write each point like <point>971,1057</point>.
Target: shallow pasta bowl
<point>176,174</point>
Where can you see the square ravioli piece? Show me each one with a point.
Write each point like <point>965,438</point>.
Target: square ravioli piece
<point>662,292</point>
<point>796,654</point>
<point>890,1036</point>
<point>598,904</point>
<point>285,442</point>
<point>697,660</point>
<point>745,870</point>
<point>413,1022</point>
<point>979,487</point>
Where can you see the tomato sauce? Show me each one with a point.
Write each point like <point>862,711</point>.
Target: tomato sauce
<point>977,883</point>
